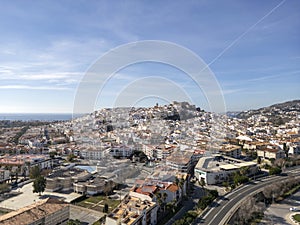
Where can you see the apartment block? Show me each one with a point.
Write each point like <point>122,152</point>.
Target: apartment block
<point>135,209</point>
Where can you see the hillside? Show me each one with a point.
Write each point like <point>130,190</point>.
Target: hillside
<point>276,114</point>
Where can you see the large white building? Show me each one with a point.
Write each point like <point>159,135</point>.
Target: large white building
<point>121,151</point>
<point>216,169</point>
<point>93,152</point>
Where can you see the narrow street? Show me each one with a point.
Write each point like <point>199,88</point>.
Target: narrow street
<point>188,204</point>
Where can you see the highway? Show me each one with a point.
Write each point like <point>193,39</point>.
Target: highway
<point>222,210</point>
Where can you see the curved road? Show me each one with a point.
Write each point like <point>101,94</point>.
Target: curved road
<point>222,210</point>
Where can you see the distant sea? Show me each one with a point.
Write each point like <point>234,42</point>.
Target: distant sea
<point>36,116</point>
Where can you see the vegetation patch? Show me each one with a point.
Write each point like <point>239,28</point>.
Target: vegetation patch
<point>292,191</point>
<point>208,199</point>
<point>296,217</point>
<point>188,218</point>
<point>170,213</point>
<point>98,203</point>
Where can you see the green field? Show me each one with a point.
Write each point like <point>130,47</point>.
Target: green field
<point>97,203</point>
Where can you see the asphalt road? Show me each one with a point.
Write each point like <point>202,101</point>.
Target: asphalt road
<point>224,208</point>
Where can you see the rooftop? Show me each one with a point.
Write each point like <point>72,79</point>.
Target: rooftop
<point>229,148</point>
<point>71,172</point>
<point>216,163</point>
<point>130,209</point>
<point>180,157</point>
<point>33,212</point>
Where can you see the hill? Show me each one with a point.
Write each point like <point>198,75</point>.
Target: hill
<point>276,114</point>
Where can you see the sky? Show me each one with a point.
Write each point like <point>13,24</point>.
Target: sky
<point>252,49</point>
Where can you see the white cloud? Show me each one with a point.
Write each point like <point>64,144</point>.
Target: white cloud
<point>58,61</point>
<point>53,76</point>
<point>27,87</point>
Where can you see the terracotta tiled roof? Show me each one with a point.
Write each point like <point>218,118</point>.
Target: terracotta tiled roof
<point>172,188</point>
<point>32,213</point>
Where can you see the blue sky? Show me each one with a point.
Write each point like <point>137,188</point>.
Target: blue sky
<point>252,47</point>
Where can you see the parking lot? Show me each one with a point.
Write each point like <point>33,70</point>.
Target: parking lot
<point>279,213</point>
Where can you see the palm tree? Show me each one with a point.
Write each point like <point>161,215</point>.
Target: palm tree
<point>171,206</point>
<point>286,150</point>
<point>17,173</point>
<point>181,182</point>
<point>164,197</point>
<point>27,168</point>
<point>159,198</point>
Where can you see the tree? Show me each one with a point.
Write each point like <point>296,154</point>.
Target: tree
<point>4,188</point>
<point>226,185</point>
<point>109,186</point>
<point>74,222</point>
<point>34,172</point>
<point>181,182</point>
<point>105,209</point>
<point>245,212</point>
<point>244,170</point>
<point>258,160</point>
<point>26,168</point>
<point>164,198</point>
<point>171,206</point>
<point>159,199</point>
<point>286,150</point>
<point>202,182</point>
<point>275,170</point>
<point>52,154</point>
<point>71,158</point>
<point>214,193</point>
<point>18,170</point>
<point>39,185</point>
<point>239,178</point>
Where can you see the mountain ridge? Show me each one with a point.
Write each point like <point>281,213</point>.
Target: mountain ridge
<point>277,114</point>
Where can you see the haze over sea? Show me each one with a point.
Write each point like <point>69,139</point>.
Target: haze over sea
<point>36,116</point>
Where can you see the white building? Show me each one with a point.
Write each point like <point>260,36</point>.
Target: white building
<point>270,153</point>
<point>121,151</point>
<point>4,175</point>
<point>216,169</point>
<point>233,151</point>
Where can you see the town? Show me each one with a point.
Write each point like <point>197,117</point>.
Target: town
<point>158,165</point>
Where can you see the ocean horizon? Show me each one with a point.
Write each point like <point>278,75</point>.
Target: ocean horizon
<point>36,116</point>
